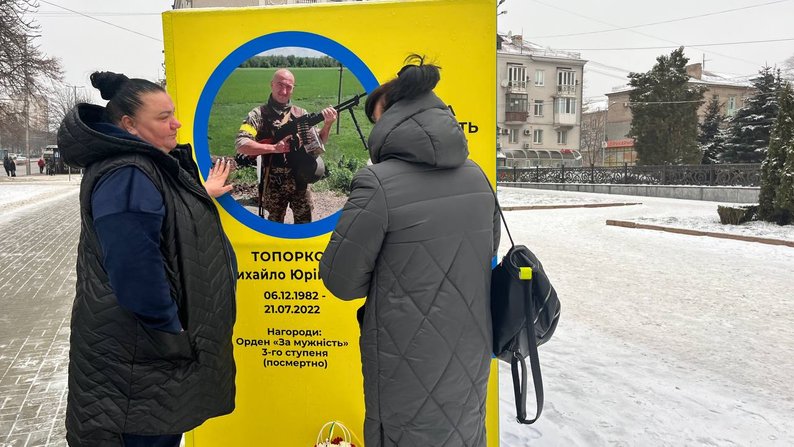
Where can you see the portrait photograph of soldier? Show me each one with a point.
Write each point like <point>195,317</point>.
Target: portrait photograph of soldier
<point>284,117</point>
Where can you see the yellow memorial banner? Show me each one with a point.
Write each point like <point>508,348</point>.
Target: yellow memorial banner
<point>296,346</point>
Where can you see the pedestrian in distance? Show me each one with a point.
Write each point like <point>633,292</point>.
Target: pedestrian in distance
<point>7,165</point>
<point>416,237</point>
<point>41,165</point>
<point>282,188</point>
<point>150,347</point>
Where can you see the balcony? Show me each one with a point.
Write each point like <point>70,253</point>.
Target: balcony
<point>566,90</point>
<point>516,117</point>
<point>564,119</point>
<point>516,86</point>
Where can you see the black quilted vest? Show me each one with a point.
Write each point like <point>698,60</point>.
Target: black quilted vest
<point>124,377</point>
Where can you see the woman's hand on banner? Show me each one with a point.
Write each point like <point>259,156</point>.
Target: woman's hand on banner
<point>216,182</point>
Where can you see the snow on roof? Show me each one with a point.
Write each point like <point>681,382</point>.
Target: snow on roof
<point>714,78</point>
<point>707,78</point>
<point>595,105</point>
<point>515,44</point>
<point>621,89</point>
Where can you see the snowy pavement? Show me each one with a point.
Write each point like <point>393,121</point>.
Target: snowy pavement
<point>39,225</point>
<point>22,193</point>
<point>664,339</point>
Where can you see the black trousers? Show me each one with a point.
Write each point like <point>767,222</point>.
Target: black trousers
<point>151,441</point>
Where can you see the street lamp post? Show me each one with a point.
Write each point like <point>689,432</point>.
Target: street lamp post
<point>27,107</point>
<point>27,131</point>
<point>74,92</point>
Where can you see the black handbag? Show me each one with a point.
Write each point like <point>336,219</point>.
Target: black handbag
<point>524,312</point>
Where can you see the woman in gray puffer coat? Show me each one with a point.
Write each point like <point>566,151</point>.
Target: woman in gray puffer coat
<point>416,237</point>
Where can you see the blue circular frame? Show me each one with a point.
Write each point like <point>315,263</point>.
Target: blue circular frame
<point>216,80</point>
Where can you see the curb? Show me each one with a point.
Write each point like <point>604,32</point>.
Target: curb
<point>760,240</point>
<point>554,207</point>
<point>36,178</point>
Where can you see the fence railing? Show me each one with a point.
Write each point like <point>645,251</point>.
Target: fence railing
<point>748,174</point>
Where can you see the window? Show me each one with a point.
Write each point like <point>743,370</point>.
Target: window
<point>539,78</point>
<point>538,108</point>
<point>566,105</point>
<point>566,77</point>
<point>517,76</point>
<point>731,108</point>
<point>513,138</point>
<point>537,136</point>
<point>562,137</point>
<point>516,102</point>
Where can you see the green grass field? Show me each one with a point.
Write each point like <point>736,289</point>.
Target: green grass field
<point>315,89</point>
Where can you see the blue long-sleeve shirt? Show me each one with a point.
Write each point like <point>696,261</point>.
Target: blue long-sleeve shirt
<point>128,215</point>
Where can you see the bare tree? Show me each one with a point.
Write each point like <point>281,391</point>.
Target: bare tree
<point>62,100</point>
<point>591,134</point>
<point>24,69</point>
<point>25,72</point>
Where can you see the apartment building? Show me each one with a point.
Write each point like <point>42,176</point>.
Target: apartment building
<point>730,91</point>
<point>538,104</point>
<point>38,110</point>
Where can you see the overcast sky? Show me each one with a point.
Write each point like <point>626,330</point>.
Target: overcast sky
<point>543,21</point>
<point>85,45</point>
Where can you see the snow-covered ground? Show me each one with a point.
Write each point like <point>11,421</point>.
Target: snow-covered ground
<point>665,339</point>
<point>16,196</point>
<point>524,196</point>
<point>688,214</point>
<point>711,223</point>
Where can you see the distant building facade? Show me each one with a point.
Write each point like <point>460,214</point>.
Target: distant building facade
<point>591,135</point>
<point>538,104</point>
<point>731,93</point>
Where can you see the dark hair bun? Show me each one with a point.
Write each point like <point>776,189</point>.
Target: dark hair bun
<point>108,83</point>
<point>415,78</point>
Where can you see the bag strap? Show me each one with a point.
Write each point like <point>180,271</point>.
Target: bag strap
<point>520,387</point>
<point>496,199</point>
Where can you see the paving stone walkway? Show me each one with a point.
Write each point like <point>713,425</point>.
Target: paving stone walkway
<point>37,258</point>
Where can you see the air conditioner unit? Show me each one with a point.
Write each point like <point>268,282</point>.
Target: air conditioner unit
<point>526,145</point>
<point>505,131</point>
<point>527,132</point>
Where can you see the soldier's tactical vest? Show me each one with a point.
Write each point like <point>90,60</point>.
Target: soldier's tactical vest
<point>306,166</point>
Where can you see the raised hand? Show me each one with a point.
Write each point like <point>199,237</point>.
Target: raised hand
<point>216,182</point>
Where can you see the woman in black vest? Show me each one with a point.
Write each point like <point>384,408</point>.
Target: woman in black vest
<point>150,347</point>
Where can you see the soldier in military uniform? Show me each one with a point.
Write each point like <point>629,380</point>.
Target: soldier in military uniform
<point>255,137</point>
